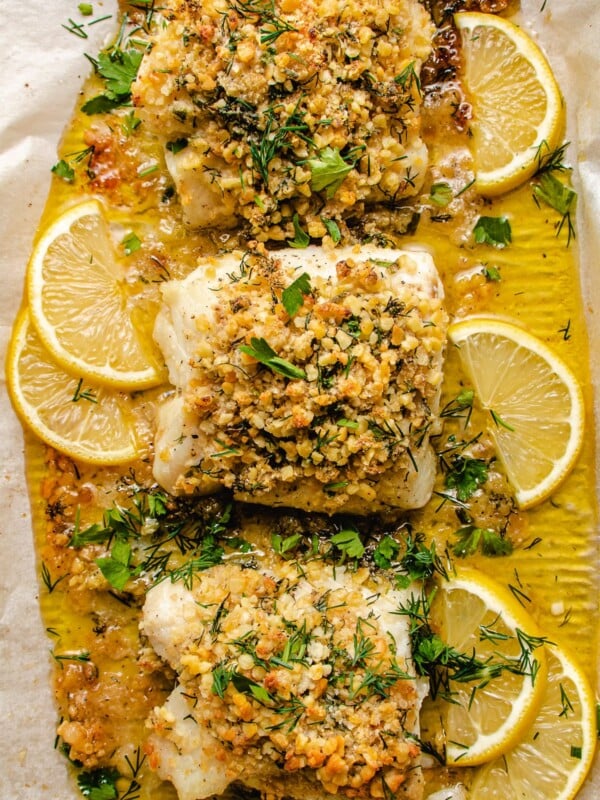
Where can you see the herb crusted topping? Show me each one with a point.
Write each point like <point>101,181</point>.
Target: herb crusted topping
<point>306,667</point>
<point>288,107</point>
<point>331,376</point>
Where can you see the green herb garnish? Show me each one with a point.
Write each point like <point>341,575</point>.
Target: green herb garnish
<point>99,784</point>
<point>492,274</point>
<point>301,238</point>
<point>284,545</point>
<point>493,230</point>
<point>131,243</point>
<point>63,170</point>
<point>293,296</point>
<point>419,562</point>
<point>466,475</point>
<point>328,170</point>
<point>561,198</point>
<point>176,145</point>
<point>332,229</point>
<point>260,350</point>
<point>83,394</point>
<point>348,541</point>
<point>118,69</point>
<point>440,194</point>
<point>347,423</point>
<point>130,123</point>
<point>408,77</point>
<point>386,552</point>
<point>499,422</point>
<point>116,567</point>
<point>460,407</point>
<point>471,539</point>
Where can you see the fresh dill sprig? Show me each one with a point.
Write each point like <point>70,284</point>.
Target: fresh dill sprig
<point>445,665</point>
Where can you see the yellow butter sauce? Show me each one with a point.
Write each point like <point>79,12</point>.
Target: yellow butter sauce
<point>556,564</point>
<point>553,569</point>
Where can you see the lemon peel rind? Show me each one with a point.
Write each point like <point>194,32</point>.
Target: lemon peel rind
<point>105,376</point>
<point>31,420</point>
<point>576,777</point>
<point>497,597</point>
<point>527,498</point>
<point>492,183</point>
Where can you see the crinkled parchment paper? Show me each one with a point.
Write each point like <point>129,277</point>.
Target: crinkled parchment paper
<point>42,68</point>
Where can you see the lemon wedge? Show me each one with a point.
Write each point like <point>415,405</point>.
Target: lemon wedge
<point>518,112</point>
<point>79,303</point>
<point>535,402</point>
<point>90,423</point>
<point>552,760</point>
<point>485,716</point>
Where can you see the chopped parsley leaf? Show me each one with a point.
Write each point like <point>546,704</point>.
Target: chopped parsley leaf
<point>466,475</point>
<point>348,541</point>
<point>492,274</point>
<point>119,69</point>
<point>283,546</point>
<point>488,541</point>
<point>131,243</point>
<point>116,567</point>
<point>293,296</point>
<point>332,229</point>
<point>63,170</point>
<point>99,784</point>
<point>493,230</point>
<point>301,238</point>
<point>386,551</point>
<point>440,194</point>
<point>328,170</point>
<point>260,350</point>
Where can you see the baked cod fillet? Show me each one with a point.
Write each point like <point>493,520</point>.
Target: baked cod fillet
<point>304,378</point>
<point>268,108</point>
<point>293,681</point>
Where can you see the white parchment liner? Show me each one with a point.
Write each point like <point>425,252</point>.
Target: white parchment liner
<point>42,67</point>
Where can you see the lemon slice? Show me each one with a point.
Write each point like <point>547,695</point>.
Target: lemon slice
<point>535,403</point>
<point>518,110</point>
<point>90,423</point>
<point>485,717</point>
<point>554,757</point>
<point>79,303</point>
